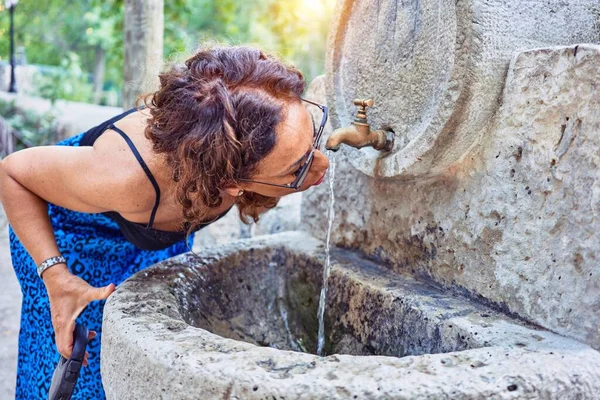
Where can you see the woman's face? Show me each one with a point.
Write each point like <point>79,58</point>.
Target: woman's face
<point>295,136</point>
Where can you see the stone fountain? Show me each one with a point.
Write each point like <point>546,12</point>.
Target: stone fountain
<point>465,261</point>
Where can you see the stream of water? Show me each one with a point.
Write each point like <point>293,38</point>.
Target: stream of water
<point>326,270</point>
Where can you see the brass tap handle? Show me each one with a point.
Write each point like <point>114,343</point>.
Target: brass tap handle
<point>363,103</point>
<point>361,113</point>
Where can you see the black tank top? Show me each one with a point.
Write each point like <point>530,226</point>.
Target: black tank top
<point>141,235</point>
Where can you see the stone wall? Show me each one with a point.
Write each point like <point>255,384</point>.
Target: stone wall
<point>73,117</point>
<point>436,69</point>
<point>514,221</point>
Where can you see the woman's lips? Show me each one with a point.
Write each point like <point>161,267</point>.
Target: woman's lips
<point>320,180</point>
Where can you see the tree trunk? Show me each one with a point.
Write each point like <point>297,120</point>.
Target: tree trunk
<point>144,27</point>
<point>99,68</point>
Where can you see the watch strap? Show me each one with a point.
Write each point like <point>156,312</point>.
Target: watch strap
<point>49,263</point>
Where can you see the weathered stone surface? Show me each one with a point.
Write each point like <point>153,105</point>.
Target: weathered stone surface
<point>157,339</point>
<point>513,222</point>
<point>436,69</point>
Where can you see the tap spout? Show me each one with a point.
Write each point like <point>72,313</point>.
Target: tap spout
<point>359,133</point>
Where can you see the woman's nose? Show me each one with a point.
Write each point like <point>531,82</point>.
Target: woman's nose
<point>320,162</point>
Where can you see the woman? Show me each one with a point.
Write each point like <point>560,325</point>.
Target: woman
<point>226,128</point>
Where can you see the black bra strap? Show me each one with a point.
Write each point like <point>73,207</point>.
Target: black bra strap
<point>146,170</point>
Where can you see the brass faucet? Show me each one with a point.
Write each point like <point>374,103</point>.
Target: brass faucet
<point>359,134</point>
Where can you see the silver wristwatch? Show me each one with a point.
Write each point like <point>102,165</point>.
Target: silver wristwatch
<point>49,263</point>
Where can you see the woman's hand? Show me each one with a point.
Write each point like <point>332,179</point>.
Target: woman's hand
<point>69,295</point>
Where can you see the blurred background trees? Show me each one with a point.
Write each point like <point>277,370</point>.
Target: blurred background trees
<point>78,45</point>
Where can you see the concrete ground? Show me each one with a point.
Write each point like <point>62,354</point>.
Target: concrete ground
<point>10,311</point>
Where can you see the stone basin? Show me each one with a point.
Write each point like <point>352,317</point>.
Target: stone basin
<point>240,322</point>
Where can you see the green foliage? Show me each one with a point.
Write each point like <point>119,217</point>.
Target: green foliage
<point>34,128</point>
<point>69,82</point>
<point>51,30</point>
<point>295,30</point>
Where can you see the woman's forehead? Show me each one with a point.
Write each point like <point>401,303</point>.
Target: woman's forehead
<point>295,135</point>
<point>296,128</point>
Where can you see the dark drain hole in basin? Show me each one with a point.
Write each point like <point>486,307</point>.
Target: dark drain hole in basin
<point>272,301</point>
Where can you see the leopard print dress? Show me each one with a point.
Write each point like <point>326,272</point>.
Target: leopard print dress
<point>97,252</point>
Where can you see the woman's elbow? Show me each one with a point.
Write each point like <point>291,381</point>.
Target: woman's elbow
<point>4,177</point>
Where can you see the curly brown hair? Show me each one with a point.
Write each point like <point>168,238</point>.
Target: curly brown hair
<point>214,119</point>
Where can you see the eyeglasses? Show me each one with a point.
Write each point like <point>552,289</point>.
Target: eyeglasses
<point>303,171</point>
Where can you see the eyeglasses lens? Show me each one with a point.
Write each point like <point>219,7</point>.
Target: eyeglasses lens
<point>304,172</point>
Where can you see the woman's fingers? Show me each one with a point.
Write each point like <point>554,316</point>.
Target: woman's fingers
<point>91,335</point>
<point>100,293</point>
<point>64,338</point>
<point>66,304</point>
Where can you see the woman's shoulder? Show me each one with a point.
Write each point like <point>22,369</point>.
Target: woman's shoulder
<point>126,137</point>
<point>78,178</point>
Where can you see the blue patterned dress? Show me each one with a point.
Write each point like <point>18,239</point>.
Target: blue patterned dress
<point>97,252</point>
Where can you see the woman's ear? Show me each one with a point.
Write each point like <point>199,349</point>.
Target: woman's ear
<point>234,191</point>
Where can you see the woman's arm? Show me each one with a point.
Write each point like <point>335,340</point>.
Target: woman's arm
<point>71,177</point>
<point>83,179</point>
